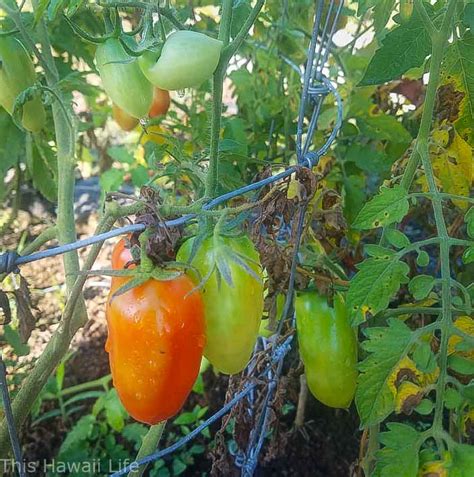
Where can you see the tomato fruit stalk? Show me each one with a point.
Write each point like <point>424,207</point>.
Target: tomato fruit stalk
<point>17,73</point>
<point>233,312</point>
<point>123,79</point>
<point>156,335</point>
<point>188,58</point>
<point>328,348</point>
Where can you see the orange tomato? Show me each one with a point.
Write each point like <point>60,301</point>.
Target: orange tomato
<point>121,255</point>
<point>123,119</point>
<point>156,336</point>
<point>161,102</point>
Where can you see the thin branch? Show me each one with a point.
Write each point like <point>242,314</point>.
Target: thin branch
<point>230,49</point>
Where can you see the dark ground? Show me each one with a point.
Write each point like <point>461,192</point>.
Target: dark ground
<point>326,446</point>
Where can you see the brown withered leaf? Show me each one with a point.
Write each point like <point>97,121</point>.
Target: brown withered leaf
<point>163,241</point>
<point>23,307</point>
<point>413,90</point>
<point>5,307</point>
<point>328,222</point>
<point>448,103</point>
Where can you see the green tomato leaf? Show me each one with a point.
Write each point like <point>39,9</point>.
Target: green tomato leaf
<point>135,433</point>
<point>382,127</point>
<point>40,8</point>
<point>399,455</point>
<point>120,154</point>
<point>79,433</point>
<point>425,407</point>
<point>178,466</point>
<point>396,238</point>
<point>387,207</point>
<point>54,7</point>
<point>378,251</point>
<point>364,6</point>
<point>111,180</point>
<point>469,219</point>
<point>185,418</point>
<point>424,358</point>
<point>139,176</point>
<point>42,168</point>
<point>468,255</point>
<point>422,259</point>
<point>368,159</point>
<point>463,460</point>
<point>373,286</point>
<point>461,365</point>
<point>12,337</point>
<point>114,411</point>
<point>421,286</point>
<point>404,47</point>
<point>354,196</point>
<point>468,16</point>
<point>452,398</point>
<point>385,347</point>
<point>382,12</point>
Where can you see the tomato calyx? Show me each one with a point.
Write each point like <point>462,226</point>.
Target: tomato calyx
<point>150,49</point>
<point>142,268</point>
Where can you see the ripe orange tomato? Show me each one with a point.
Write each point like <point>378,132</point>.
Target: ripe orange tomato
<point>156,336</point>
<point>121,255</point>
<point>123,119</point>
<point>161,102</point>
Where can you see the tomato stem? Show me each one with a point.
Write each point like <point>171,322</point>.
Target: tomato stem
<point>149,445</point>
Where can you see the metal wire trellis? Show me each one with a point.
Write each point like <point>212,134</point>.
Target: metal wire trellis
<point>315,88</point>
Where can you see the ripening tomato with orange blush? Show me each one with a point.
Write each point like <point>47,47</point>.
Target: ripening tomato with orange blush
<point>156,337</point>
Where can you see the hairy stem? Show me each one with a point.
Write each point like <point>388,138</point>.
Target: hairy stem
<point>439,43</point>
<point>446,317</point>
<point>217,85</point>
<point>56,348</point>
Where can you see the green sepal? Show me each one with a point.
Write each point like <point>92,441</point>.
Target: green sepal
<point>83,34</point>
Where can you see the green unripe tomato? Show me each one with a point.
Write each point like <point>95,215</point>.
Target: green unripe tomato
<point>188,58</point>
<point>232,312</point>
<point>123,79</point>
<point>17,73</point>
<point>328,348</point>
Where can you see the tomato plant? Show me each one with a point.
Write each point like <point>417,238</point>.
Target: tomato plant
<point>155,340</point>
<point>123,79</point>
<point>328,348</point>
<point>386,218</point>
<point>187,59</point>
<point>233,309</point>
<point>17,73</point>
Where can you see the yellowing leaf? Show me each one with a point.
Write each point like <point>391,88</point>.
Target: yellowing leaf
<point>457,91</point>
<point>429,378</point>
<point>406,369</point>
<point>454,169</point>
<point>436,468</point>
<point>467,421</point>
<point>293,189</point>
<point>408,397</point>
<point>465,324</point>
